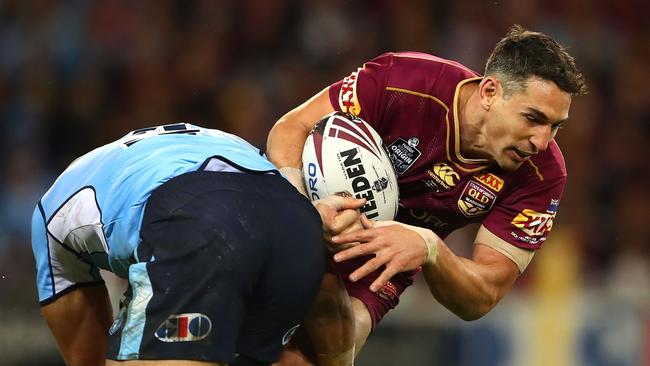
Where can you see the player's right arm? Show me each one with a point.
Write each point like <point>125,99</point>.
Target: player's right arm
<point>328,323</point>
<point>284,148</point>
<point>287,137</point>
<point>73,298</point>
<point>79,321</point>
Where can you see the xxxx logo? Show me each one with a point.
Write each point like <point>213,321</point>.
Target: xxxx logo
<point>388,291</point>
<point>492,181</point>
<point>534,223</point>
<point>348,100</point>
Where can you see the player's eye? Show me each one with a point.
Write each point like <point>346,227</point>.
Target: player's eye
<point>531,118</point>
<point>554,128</point>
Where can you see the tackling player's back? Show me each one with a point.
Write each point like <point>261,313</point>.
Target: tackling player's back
<point>110,186</point>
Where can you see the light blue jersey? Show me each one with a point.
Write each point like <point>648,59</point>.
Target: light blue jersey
<point>90,218</point>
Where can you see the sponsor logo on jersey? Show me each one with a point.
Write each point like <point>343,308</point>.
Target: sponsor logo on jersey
<point>388,291</point>
<point>492,181</point>
<point>361,186</point>
<point>444,176</point>
<point>287,336</point>
<point>348,101</point>
<point>476,199</point>
<point>427,218</point>
<point>528,239</point>
<point>184,328</point>
<point>404,153</point>
<point>431,184</point>
<point>536,224</point>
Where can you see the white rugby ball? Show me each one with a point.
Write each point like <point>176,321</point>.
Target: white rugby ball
<point>344,155</point>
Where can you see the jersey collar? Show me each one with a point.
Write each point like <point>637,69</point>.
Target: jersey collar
<point>453,136</point>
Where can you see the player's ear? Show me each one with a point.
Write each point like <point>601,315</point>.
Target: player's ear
<point>488,90</point>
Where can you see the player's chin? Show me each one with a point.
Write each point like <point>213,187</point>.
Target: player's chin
<point>508,164</point>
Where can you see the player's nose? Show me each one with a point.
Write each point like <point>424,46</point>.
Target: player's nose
<point>541,137</point>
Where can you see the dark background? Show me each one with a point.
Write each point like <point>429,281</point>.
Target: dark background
<point>78,74</point>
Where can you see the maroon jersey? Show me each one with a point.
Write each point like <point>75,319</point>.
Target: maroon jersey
<point>411,100</point>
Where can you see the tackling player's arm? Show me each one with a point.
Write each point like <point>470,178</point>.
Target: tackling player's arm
<point>79,321</point>
<point>287,137</point>
<point>284,149</point>
<point>328,322</point>
<point>469,288</point>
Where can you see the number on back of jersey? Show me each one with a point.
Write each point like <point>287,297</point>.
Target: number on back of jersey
<point>143,133</point>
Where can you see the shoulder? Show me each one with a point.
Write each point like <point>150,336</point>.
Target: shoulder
<point>421,62</point>
<point>428,61</point>
<point>424,73</point>
<point>432,66</point>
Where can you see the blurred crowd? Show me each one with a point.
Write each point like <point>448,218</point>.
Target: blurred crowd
<point>81,73</point>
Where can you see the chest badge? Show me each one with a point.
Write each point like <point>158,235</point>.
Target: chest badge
<point>476,199</point>
<point>404,153</point>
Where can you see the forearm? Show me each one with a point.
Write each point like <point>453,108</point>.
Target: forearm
<point>469,288</point>
<point>79,322</point>
<point>465,287</point>
<point>330,324</point>
<point>285,142</point>
<point>287,137</point>
<point>284,149</point>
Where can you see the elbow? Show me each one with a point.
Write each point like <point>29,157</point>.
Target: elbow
<point>289,121</point>
<point>274,132</point>
<point>277,142</point>
<point>476,310</point>
<point>472,315</point>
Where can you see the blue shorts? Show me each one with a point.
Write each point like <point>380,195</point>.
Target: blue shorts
<point>228,265</point>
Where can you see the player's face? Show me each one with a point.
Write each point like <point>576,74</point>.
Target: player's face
<point>523,124</point>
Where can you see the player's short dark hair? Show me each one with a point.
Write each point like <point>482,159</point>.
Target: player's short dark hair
<point>522,54</point>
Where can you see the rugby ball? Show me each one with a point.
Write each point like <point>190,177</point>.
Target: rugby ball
<point>344,155</point>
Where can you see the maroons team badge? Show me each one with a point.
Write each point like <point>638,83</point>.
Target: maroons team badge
<point>476,199</point>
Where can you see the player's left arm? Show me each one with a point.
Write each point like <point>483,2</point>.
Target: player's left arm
<point>79,321</point>
<point>468,287</point>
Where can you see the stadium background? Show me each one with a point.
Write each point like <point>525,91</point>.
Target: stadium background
<point>80,73</point>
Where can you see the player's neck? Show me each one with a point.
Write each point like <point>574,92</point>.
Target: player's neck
<point>470,121</point>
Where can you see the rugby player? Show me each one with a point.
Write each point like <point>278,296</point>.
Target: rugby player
<point>195,220</point>
<point>467,148</point>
